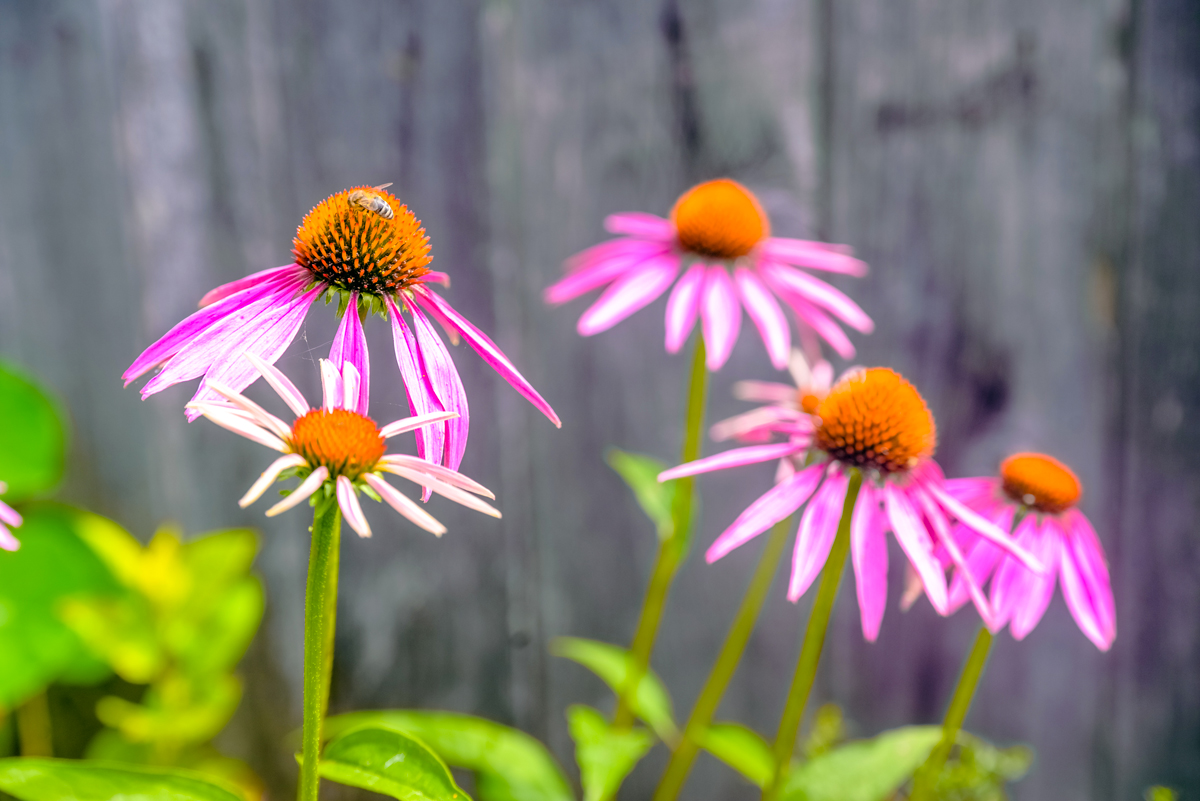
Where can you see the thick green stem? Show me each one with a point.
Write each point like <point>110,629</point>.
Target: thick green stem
<point>320,609</point>
<point>968,681</point>
<point>33,727</point>
<point>727,661</point>
<point>814,641</point>
<point>671,550</point>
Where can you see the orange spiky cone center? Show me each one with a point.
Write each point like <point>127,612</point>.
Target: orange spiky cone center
<point>345,243</point>
<point>347,443</point>
<point>874,418</point>
<point>719,219</point>
<point>1040,482</point>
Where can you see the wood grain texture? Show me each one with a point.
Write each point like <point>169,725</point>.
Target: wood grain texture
<point>1023,177</point>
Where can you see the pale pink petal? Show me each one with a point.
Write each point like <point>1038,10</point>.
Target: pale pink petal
<point>818,529</point>
<point>918,546</point>
<point>332,392</point>
<point>637,289</point>
<point>404,505</point>
<point>813,255</point>
<point>767,316</point>
<point>822,375</point>
<point>348,502</point>
<point>731,458</point>
<point>406,424</point>
<point>442,488</point>
<point>784,470</point>
<point>350,347</point>
<point>434,277</point>
<point>7,541</point>
<point>868,552</point>
<point>757,422</point>
<point>624,247</point>
<point>775,505</point>
<point>238,425</point>
<point>282,385</point>
<point>445,474</point>
<point>1085,581</point>
<point>421,398</point>
<point>351,381</point>
<point>821,294</point>
<point>9,515</point>
<point>603,265</point>
<point>971,491</point>
<point>443,378</point>
<point>721,316</point>
<point>488,350</point>
<point>257,413</point>
<point>269,476</point>
<point>640,224</point>
<point>301,493</point>
<point>250,281</point>
<point>764,392</point>
<point>982,526</point>
<point>683,306</point>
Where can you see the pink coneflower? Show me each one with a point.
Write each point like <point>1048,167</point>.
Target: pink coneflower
<point>788,410</point>
<point>874,421</point>
<point>337,448</point>
<point>1040,493</point>
<point>370,253</point>
<point>716,227</point>
<point>8,518</point>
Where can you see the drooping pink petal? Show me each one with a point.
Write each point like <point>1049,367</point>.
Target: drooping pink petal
<point>269,477</point>
<point>348,502</point>
<point>422,400</point>
<point>445,474</point>
<point>633,291</point>
<point>820,293</point>
<point>256,412</point>
<point>818,528</point>
<point>252,280</point>
<point>767,316</point>
<point>1085,582</point>
<point>443,378</point>
<point>868,553</point>
<point>812,318</point>
<point>1019,595</point>
<point>7,541</point>
<point>404,505</point>
<point>721,316</point>
<point>434,277</point>
<point>236,423</point>
<point>9,515</point>
<point>625,247</point>
<point>971,491</point>
<point>917,544</point>
<point>813,255</point>
<point>443,488</point>
<point>683,306</point>
<point>736,457</point>
<point>488,350</point>
<point>301,493</point>
<point>775,505</point>
<point>935,516</point>
<point>982,558</point>
<point>406,424</point>
<point>640,224</point>
<point>282,385</point>
<point>758,423</point>
<point>983,526</point>
<point>594,274</point>
<point>350,345</point>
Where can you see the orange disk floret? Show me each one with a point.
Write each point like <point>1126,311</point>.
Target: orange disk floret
<point>1040,482</point>
<point>809,403</point>
<point>874,418</point>
<point>362,240</point>
<point>345,442</point>
<point>719,219</point>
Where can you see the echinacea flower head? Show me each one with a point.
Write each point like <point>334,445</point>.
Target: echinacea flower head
<point>9,519</point>
<point>364,249</point>
<point>1040,494</point>
<point>719,231</point>
<point>874,421</point>
<point>337,449</point>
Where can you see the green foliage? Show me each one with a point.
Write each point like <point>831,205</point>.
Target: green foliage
<point>612,663</point>
<point>1160,793</point>
<point>74,780</point>
<point>742,749</point>
<point>828,730</point>
<point>863,770</point>
<point>36,648</point>
<point>978,770</point>
<point>33,439</point>
<point>605,755</point>
<point>509,765</point>
<point>641,474</point>
<point>390,762</point>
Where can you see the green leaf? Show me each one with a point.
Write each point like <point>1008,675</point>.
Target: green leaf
<point>742,749</point>
<point>863,770</point>
<point>36,646</point>
<point>612,663</point>
<point>641,474</point>
<point>509,764</point>
<point>33,440</point>
<point>85,780</point>
<point>605,755</point>
<point>1160,793</point>
<point>389,762</point>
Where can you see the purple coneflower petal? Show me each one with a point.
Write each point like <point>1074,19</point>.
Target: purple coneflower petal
<point>348,502</point>
<point>984,527</point>
<point>982,559</point>
<point>443,379</point>
<point>301,493</point>
<point>350,345</point>
<point>911,534</point>
<point>775,505</point>
<point>683,306</point>
<point>332,392</point>
<point>269,476</point>
<point>7,541</point>
<point>404,505</point>
<point>971,491</point>
<point>282,385</point>
<point>601,265</point>
<point>1085,582</point>
<point>257,413</point>
<point>8,514</point>
<point>421,398</point>
<point>733,458</point>
<point>757,423</point>
<point>767,316</point>
<point>443,488</point>
<point>488,350</point>
<point>818,529</point>
<point>452,477</point>
<point>633,291</point>
<point>238,424</point>
<point>868,554</point>
<point>813,255</point>
<point>406,424</point>
<point>640,224</point>
<point>937,518</point>
<point>1020,595</point>
<point>251,281</point>
<point>720,316</point>
<point>764,392</point>
<point>434,277</point>
<point>351,381</point>
<point>820,293</point>
<point>815,319</point>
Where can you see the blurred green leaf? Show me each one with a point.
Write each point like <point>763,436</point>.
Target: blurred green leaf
<point>219,641</point>
<point>978,770</point>
<point>605,755</point>
<point>118,630</point>
<point>508,763</point>
<point>863,770</point>
<point>53,564</point>
<point>84,780</point>
<point>1160,793</point>
<point>389,762</point>
<point>828,729</point>
<point>612,663</point>
<point>33,439</point>
<point>742,749</point>
<point>641,474</point>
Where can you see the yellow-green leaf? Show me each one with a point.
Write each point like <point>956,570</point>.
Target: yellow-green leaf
<point>87,780</point>
<point>742,749</point>
<point>605,755</point>
<point>389,762</point>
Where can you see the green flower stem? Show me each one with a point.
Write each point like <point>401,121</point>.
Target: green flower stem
<point>968,681</point>
<point>814,641</point>
<point>320,612</point>
<point>727,661</point>
<point>672,550</point>
<point>33,727</point>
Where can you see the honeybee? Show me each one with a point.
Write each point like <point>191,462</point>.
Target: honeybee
<point>372,202</point>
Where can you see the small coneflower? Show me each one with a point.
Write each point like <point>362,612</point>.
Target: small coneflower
<point>722,231</point>
<point>875,421</point>
<point>364,249</point>
<point>1041,494</point>
<point>336,448</point>
<point>8,519</point>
